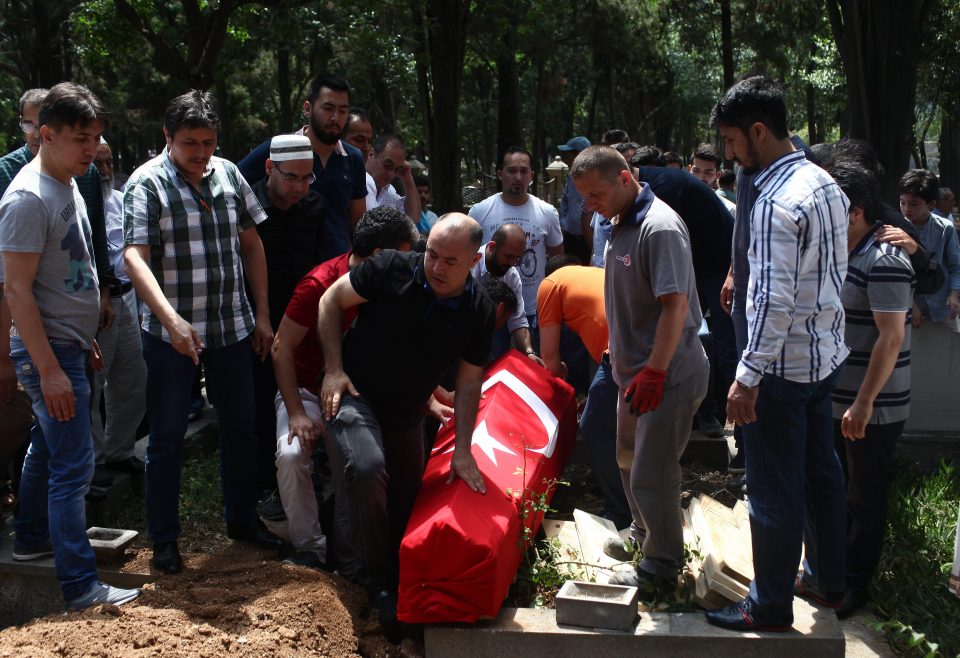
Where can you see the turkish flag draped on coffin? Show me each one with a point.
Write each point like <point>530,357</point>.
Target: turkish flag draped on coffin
<point>462,549</point>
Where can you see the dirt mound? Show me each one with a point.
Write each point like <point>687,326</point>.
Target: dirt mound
<point>233,602</point>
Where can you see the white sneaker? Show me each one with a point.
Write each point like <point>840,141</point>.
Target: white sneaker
<point>102,593</point>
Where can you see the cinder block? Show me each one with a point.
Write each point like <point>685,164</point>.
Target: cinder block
<point>110,542</point>
<point>534,633</point>
<point>593,605</point>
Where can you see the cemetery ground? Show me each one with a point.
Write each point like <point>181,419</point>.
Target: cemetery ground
<point>233,599</point>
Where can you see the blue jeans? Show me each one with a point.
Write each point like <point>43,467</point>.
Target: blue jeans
<point>598,427</point>
<point>169,390</point>
<point>797,493</point>
<point>57,471</point>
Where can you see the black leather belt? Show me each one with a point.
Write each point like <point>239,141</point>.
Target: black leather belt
<point>121,289</point>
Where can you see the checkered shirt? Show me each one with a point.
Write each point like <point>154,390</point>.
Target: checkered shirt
<point>194,240</point>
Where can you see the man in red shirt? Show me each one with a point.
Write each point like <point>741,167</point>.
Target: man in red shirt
<point>298,367</point>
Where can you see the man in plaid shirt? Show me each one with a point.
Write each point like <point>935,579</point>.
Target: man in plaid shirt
<point>189,221</point>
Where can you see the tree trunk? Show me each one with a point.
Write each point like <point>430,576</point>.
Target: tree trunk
<point>446,26</point>
<point>879,44</point>
<point>539,140</point>
<point>284,89</point>
<point>726,43</point>
<point>950,148</point>
<point>509,124</point>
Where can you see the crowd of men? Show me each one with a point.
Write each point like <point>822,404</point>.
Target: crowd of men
<point>332,314</point>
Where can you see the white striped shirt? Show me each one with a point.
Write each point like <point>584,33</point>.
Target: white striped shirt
<point>798,262</point>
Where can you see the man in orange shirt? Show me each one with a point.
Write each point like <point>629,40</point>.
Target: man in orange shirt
<point>571,296</point>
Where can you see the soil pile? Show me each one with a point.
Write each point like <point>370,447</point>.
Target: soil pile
<point>233,602</point>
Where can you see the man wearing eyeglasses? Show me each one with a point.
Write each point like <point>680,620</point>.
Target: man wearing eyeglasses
<point>387,163</point>
<point>293,242</point>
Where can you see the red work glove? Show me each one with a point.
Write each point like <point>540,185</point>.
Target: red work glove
<point>645,392</point>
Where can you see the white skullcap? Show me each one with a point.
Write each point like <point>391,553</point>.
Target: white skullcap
<point>290,147</point>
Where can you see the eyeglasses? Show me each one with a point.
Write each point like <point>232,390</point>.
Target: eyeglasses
<point>28,127</point>
<point>388,165</point>
<point>293,179</point>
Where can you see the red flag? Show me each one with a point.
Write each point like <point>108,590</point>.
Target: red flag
<point>462,549</point>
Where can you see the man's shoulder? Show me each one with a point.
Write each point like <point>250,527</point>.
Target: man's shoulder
<point>543,206</point>
<point>481,209</point>
<point>150,172</point>
<point>15,159</point>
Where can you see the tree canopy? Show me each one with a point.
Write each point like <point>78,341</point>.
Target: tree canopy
<point>461,80</point>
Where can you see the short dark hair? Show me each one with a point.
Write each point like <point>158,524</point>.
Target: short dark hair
<point>623,147</point>
<point>383,141</point>
<point>383,227</point>
<point>757,99</point>
<point>672,157</point>
<point>602,159</point>
<point>860,185</point>
<point>727,179</point>
<point>194,109</point>
<point>328,81</point>
<point>859,151</point>
<point>515,149</point>
<point>500,292</point>
<point>614,136</point>
<point>823,155</point>
<point>554,263</point>
<point>70,104</point>
<point>32,97</point>
<point>647,156</point>
<point>919,182</point>
<point>709,153</point>
<point>421,181</point>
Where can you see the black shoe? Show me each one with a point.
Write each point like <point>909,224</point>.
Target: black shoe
<point>808,591</point>
<point>853,600</point>
<point>131,464</point>
<point>746,616</point>
<point>271,507</point>
<point>101,477</point>
<point>166,557</point>
<point>306,559</point>
<point>710,426</point>
<point>254,533</point>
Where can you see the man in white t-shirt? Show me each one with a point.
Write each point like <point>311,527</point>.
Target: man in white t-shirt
<point>538,219</point>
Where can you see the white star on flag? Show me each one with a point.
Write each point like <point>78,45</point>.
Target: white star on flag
<point>489,445</point>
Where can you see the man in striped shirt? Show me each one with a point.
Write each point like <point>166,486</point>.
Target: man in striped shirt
<point>189,228</point>
<point>871,401</point>
<point>795,349</point>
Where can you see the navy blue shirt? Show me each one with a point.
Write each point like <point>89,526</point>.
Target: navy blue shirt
<point>708,221</point>
<point>343,180</point>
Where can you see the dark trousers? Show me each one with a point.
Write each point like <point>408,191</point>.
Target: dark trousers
<point>721,347</point>
<point>598,427</point>
<point>796,492</point>
<point>265,392</point>
<point>378,471</point>
<point>867,464</point>
<point>170,378</point>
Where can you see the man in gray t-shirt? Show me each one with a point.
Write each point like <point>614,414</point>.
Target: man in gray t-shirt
<point>51,289</point>
<point>658,361</point>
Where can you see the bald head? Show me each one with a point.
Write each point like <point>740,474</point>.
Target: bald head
<point>452,250</point>
<point>505,249</point>
<point>509,234</point>
<point>456,225</point>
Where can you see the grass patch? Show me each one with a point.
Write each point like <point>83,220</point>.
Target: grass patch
<point>201,499</point>
<point>920,616</point>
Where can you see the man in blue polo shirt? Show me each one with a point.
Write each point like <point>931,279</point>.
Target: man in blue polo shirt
<point>337,166</point>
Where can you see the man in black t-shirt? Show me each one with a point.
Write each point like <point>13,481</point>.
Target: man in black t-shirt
<point>417,315</point>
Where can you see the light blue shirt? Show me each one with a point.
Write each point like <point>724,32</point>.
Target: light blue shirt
<point>939,236</point>
<point>571,208</point>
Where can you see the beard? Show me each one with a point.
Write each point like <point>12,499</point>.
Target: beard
<point>106,187</point>
<point>324,136</point>
<point>496,269</point>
